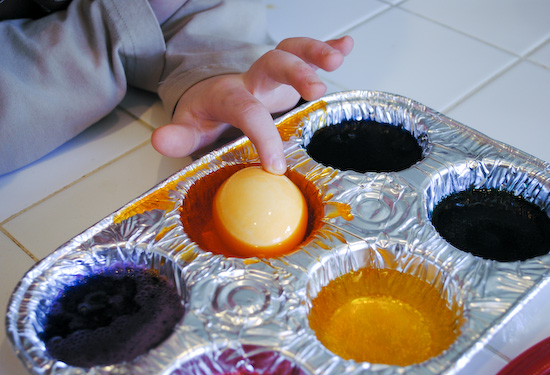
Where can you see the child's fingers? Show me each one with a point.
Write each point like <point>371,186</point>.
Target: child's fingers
<point>242,110</point>
<point>182,138</point>
<point>294,63</point>
<point>200,118</point>
<point>279,67</point>
<point>176,140</point>
<point>324,55</point>
<point>343,44</point>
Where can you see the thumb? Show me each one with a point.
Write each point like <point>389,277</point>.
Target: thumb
<point>176,140</point>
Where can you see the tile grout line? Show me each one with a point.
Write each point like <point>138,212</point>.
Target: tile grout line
<point>19,244</point>
<point>518,58</point>
<point>140,145</point>
<point>138,119</point>
<point>362,22</point>
<point>498,353</point>
<point>473,37</point>
<point>349,30</point>
<point>480,85</point>
<point>535,49</point>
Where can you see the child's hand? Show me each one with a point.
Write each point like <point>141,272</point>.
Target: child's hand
<point>273,83</point>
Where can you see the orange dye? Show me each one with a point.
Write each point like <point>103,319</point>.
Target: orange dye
<point>342,210</point>
<point>157,200</point>
<point>334,209</point>
<point>383,316</point>
<point>196,210</point>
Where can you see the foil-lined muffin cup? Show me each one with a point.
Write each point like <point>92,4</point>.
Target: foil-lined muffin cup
<point>242,359</point>
<point>252,314</point>
<point>122,246</point>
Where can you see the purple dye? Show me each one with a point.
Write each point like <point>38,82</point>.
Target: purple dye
<point>111,317</point>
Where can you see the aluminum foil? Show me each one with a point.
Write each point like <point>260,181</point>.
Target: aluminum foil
<point>252,314</point>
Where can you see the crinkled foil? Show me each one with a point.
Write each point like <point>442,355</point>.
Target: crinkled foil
<point>251,314</point>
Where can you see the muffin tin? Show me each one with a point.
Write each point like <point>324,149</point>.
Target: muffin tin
<point>250,315</point>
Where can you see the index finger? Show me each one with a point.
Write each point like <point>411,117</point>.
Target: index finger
<point>242,110</point>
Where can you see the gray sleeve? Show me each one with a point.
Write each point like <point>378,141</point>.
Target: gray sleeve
<point>207,38</point>
<point>64,72</point>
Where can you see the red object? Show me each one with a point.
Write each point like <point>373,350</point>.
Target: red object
<point>533,361</point>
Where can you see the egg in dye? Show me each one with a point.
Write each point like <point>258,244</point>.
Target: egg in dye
<point>259,214</point>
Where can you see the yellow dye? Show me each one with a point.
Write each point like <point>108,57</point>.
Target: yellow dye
<point>342,210</point>
<point>323,245</point>
<point>290,126</point>
<point>157,200</point>
<point>383,316</point>
<point>163,232</point>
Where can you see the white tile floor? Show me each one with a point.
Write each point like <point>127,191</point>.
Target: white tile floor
<point>484,63</point>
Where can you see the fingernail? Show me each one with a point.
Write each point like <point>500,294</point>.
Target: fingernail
<point>279,166</point>
<point>313,79</point>
<point>328,50</point>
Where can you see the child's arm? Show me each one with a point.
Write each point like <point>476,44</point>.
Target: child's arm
<point>64,72</point>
